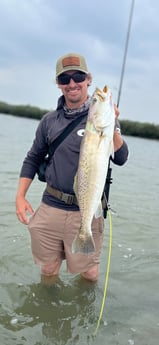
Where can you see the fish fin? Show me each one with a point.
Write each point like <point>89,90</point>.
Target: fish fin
<point>75,185</point>
<point>112,149</point>
<point>83,244</point>
<point>99,211</point>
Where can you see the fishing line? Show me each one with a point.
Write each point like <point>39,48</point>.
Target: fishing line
<point>109,212</point>
<point>107,273</point>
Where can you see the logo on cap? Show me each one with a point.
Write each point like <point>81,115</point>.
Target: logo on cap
<point>71,61</point>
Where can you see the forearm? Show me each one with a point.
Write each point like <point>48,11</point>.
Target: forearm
<point>121,153</point>
<point>22,205</point>
<point>118,140</point>
<point>120,146</point>
<point>24,184</point>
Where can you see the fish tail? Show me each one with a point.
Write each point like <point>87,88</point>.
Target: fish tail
<point>83,244</point>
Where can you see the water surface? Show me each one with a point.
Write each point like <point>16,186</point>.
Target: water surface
<point>67,313</point>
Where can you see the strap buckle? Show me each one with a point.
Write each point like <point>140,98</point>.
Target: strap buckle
<point>67,198</point>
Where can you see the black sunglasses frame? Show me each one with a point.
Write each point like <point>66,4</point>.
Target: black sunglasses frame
<point>78,77</point>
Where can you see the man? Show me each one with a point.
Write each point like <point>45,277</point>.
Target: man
<point>55,224</point>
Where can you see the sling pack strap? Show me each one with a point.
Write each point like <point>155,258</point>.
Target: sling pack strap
<point>67,198</point>
<point>53,146</point>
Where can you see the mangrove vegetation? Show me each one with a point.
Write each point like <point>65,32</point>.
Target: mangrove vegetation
<point>132,128</point>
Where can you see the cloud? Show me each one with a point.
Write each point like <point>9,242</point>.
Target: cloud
<point>34,33</point>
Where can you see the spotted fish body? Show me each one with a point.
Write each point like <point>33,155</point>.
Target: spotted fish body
<point>96,148</point>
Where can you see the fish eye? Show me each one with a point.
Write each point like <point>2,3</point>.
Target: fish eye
<point>94,99</point>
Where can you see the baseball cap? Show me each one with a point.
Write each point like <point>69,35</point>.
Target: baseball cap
<point>71,61</point>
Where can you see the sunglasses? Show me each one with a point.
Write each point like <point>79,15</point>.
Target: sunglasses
<point>77,77</point>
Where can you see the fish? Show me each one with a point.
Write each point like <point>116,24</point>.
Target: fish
<point>95,151</point>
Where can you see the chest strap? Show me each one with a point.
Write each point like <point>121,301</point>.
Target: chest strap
<point>67,198</point>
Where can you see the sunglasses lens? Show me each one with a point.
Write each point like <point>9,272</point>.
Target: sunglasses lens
<point>64,79</point>
<point>77,77</point>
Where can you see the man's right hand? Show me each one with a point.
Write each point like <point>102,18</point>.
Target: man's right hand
<point>22,207</point>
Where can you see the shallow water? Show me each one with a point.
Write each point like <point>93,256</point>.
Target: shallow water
<point>68,311</point>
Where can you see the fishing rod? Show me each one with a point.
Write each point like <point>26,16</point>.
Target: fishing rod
<point>109,178</point>
<point>125,51</point>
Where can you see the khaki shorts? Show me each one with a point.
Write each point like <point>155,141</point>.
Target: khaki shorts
<point>52,232</point>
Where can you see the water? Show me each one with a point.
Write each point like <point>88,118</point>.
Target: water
<point>67,313</point>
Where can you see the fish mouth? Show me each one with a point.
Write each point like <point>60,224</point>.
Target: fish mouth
<point>105,89</point>
<point>100,93</point>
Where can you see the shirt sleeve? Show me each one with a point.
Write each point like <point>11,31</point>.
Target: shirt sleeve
<point>37,152</point>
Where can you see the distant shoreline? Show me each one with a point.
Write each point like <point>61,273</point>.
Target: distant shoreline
<point>132,128</point>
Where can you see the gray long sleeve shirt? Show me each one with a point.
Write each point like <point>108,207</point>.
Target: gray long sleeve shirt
<point>63,164</point>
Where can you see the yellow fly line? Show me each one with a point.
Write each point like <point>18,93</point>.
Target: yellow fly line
<point>107,272</point>
<point>109,212</point>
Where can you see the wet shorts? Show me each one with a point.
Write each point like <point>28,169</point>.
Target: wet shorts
<point>52,232</point>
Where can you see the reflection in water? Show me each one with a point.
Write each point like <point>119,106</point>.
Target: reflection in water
<point>62,310</point>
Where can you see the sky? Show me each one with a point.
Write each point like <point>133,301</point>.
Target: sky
<point>35,33</point>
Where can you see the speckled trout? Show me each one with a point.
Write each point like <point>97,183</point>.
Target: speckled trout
<point>96,148</point>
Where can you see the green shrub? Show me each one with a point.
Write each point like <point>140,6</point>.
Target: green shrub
<point>132,128</point>
<point>22,110</point>
<point>139,129</point>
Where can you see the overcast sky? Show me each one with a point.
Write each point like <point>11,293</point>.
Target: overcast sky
<point>34,33</point>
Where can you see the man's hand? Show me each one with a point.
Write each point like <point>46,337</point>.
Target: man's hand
<point>22,207</point>
<point>117,112</point>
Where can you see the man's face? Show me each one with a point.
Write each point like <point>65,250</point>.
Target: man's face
<point>75,93</point>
